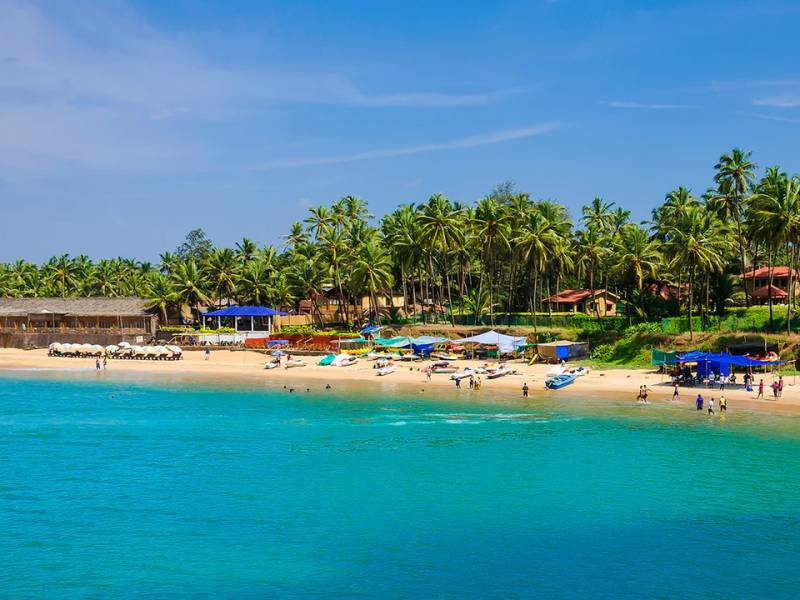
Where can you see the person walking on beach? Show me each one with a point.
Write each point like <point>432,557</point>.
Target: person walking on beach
<point>208,353</point>
<point>675,394</point>
<point>428,373</point>
<point>471,382</point>
<point>774,387</point>
<point>105,362</point>
<point>760,390</point>
<point>699,402</point>
<point>780,386</point>
<point>525,390</point>
<point>644,394</point>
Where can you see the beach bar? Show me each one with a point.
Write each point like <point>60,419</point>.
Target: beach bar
<point>259,319</point>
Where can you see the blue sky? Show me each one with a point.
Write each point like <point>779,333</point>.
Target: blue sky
<point>125,124</point>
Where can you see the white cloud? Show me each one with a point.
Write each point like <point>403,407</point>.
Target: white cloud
<point>778,102</point>
<point>473,141</point>
<point>96,85</point>
<point>641,106</point>
<point>773,118</point>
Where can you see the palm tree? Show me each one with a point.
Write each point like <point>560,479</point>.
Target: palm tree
<point>776,215</point>
<point>297,235</point>
<point>63,273</point>
<point>598,214</point>
<point>221,271</point>
<point>699,240</point>
<point>372,272</point>
<point>319,221</point>
<point>253,283</point>
<point>441,233</point>
<point>492,233</point>
<point>335,252</point>
<point>160,295</point>
<point>246,250</point>
<point>307,279</point>
<point>537,241</point>
<point>637,257</point>
<point>591,252</point>
<point>188,285</point>
<point>735,172</point>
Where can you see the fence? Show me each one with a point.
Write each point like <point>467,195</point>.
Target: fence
<point>730,323</point>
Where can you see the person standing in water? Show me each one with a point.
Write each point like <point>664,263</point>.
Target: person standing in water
<point>676,394</point>
<point>723,404</point>
<point>525,390</point>
<point>699,402</point>
<point>97,364</point>
<point>711,406</point>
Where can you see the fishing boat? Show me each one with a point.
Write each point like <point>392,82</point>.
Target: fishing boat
<point>290,364</point>
<point>386,370</point>
<point>443,367</point>
<point>559,381</point>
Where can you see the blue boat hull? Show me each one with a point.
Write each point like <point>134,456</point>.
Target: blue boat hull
<point>559,381</point>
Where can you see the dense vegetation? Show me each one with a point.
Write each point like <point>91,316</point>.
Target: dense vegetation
<point>504,253</point>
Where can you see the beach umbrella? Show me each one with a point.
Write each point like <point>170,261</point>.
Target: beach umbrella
<point>112,349</point>
<point>124,345</point>
<point>175,349</point>
<point>97,348</point>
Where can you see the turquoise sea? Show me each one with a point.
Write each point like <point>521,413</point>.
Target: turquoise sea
<point>124,488</point>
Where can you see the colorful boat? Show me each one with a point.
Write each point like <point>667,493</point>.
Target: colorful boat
<point>559,381</point>
<point>326,360</point>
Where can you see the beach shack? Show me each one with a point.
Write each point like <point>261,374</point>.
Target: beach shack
<point>494,341</point>
<point>248,322</point>
<point>565,350</point>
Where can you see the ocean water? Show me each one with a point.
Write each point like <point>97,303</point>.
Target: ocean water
<point>122,488</point>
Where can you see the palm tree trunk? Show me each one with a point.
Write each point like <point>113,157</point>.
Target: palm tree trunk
<point>691,300</point>
<point>480,287</point>
<point>449,295</point>
<point>771,260</point>
<point>747,297</point>
<point>792,253</point>
<point>535,286</point>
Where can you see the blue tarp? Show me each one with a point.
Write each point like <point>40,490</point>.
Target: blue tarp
<point>370,329</point>
<point>245,311</point>
<point>718,362</point>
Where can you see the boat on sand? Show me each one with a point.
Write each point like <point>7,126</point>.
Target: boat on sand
<point>559,381</point>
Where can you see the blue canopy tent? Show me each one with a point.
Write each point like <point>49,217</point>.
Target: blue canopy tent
<point>711,362</point>
<point>237,312</point>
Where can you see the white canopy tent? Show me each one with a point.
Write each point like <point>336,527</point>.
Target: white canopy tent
<point>504,343</point>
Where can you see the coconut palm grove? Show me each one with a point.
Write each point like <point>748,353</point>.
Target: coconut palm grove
<point>492,261</point>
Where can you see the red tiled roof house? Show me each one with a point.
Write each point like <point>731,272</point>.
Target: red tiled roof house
<point>600,302</point>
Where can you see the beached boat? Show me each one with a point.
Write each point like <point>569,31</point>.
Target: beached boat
<point>580,371</point>
<point>557,370</point>
<point>273,364</point>
<point>559,381</point>
<point>443,367</point>
<point>290,364</point>
<point>445,356</point>
<point>387,370</point>
<point>344,360</point>
<point>463,375</point>
<point>327,360</point>
<point>500,371</point>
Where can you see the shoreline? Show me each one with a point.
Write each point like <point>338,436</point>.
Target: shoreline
<point>244,367</point>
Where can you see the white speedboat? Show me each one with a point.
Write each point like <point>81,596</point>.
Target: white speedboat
<point>290,364</point>
<point>273,364</point>
<point>580,371</point>
<point>387,370</point>
<point>463,375</point>
<point>344,360</point>
<point>555,371</point>
<point>500,372</point>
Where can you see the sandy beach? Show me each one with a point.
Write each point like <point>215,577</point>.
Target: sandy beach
<point>245,366</point>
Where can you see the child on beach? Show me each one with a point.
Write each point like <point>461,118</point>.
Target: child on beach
<point>675,393</point>
<point>780,386</point>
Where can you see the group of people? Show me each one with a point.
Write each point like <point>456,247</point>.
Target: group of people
<point>723,404</point>
<point>474,382</point>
